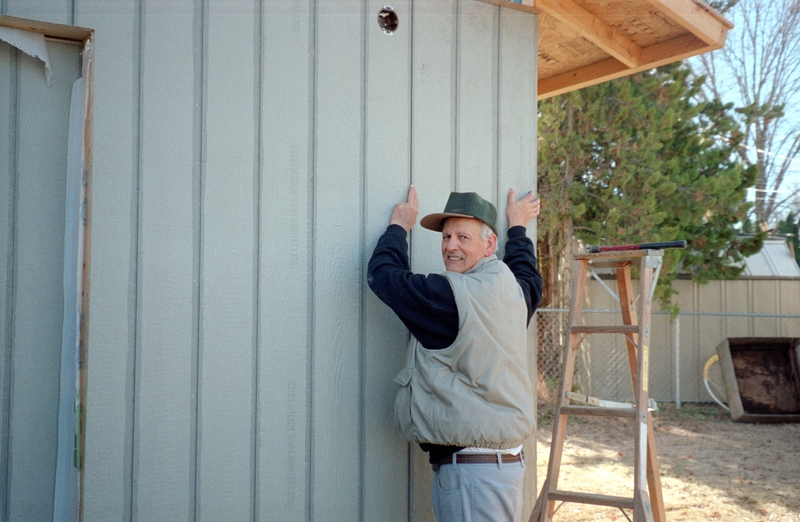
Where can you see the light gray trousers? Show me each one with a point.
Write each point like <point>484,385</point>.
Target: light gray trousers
<point>478,492</point>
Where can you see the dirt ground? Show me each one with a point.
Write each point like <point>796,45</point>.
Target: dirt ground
<point>711,467</point>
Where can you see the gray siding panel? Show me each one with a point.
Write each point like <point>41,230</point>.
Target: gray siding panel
<point>226,384</point>
<point>388,175</point>
<point>476,116</point>
<point>114,239</point>
<point>7,209</point>
<point>337,270</point>
<point>165,397</point>
<point>285,282</point>
<point>516,80</point>
<point>55,11</point>
<point>433,116</point>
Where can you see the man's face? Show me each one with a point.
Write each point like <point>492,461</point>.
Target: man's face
<point>462,245</point>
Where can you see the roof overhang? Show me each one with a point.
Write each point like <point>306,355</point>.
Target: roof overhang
<point>586,42</point>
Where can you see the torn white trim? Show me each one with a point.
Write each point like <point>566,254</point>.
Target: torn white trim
<point>30,43</point>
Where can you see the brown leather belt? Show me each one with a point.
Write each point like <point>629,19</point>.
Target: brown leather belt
<point>479,458</point>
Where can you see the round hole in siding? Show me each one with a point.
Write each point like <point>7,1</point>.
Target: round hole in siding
<point>388,20</point>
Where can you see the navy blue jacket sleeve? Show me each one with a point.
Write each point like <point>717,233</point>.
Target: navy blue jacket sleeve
<point>521,260</point>
<point>425,304</point>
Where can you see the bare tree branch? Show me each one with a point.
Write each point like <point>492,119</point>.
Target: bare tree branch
<point>759,71</point>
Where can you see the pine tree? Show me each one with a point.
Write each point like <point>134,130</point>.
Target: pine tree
<point>639,160</point>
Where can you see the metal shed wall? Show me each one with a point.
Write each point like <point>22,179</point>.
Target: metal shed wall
<point>700,334</point>
<point>246,157</point>
<point>709,314</point>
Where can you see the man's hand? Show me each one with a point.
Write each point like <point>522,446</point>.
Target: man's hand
<point>405,213</point>
<point>522,211</point>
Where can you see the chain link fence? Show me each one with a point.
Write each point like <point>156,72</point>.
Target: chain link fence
<point>680,347</point>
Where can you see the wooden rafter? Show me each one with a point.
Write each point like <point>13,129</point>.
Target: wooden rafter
<point>700,20</point>
<point>582,42</point>
<point>610,69</point>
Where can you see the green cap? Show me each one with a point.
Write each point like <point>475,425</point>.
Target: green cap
<point>462,204</point>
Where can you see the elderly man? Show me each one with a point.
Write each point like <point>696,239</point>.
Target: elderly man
<point>465,393</point>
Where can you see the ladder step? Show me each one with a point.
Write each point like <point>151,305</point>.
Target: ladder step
<point>611,264</point>
<point>598,411</point>
<point>591,498</point>
<point>620,329</point>
<point>603,403</point>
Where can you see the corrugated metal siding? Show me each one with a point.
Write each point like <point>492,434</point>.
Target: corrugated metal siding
<point>246,158</point>
<point>703,325</point>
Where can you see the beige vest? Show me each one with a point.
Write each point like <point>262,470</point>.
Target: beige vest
<point>476,392</point>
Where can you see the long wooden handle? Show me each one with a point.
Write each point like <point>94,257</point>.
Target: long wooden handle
<point>641,246</point>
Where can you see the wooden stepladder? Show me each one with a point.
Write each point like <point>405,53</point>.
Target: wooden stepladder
<point>647,502</point>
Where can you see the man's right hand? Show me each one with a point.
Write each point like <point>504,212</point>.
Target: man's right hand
<point>405,213</point>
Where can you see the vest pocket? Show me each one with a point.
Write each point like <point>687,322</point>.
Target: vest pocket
<point>404,377</point>
<point>402,404</point>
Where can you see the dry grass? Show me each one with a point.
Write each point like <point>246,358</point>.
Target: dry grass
<point>711,467</point>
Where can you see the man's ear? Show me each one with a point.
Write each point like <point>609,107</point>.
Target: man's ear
<point>491,245</point>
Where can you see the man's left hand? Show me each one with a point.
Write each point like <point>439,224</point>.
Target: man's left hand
<point>522,211</point>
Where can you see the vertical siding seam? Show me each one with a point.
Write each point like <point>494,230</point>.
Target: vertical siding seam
<point>497,71</point>
<point>8,374</point>
<point>410,114</point>
<point>455,75</point>
<point>362,349</point>
<point>535,145</point>
<point>200,58</point>
<point>311,200</point>
<point>257,144</point>
<point>411,180</point>
<point>136,276</point>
